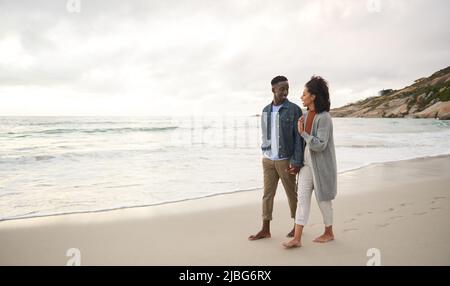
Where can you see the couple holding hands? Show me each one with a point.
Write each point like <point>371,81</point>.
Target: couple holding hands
<point>296,144</point>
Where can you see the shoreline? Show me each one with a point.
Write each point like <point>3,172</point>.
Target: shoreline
<point>210,195</point>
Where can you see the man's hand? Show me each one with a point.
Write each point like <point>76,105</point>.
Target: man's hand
<point>293,170</point>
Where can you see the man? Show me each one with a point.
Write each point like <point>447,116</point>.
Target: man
<point>282,148</point>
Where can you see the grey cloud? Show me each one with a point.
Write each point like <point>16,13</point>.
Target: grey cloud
<point>254,41</point>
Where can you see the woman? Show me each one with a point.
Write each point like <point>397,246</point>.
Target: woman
<point>319,172</point>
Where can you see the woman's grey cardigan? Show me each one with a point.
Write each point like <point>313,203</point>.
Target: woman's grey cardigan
<point>323,155</point>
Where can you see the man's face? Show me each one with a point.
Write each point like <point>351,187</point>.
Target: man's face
<point>280,91</point>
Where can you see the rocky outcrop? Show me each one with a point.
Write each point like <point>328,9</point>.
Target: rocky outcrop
<point>439,110</point>
<point>426,98</point>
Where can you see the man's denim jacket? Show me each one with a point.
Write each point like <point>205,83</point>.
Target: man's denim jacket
<point>290,142</point>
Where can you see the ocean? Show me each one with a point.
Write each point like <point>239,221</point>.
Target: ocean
<point>59,165</point>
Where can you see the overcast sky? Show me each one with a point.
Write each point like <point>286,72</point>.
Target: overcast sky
<point>172,57</point>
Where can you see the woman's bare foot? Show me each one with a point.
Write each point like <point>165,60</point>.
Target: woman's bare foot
<point>260,235</point>
<point>326,237</point>
<point>292,244</point>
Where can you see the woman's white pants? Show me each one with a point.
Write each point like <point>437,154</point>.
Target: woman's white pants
<point>305,190</point>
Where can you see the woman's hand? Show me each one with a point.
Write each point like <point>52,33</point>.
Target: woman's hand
<point>301,125</point>
<point>293,170</point>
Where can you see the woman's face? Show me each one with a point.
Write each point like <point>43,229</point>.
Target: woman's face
<point>307,98</point>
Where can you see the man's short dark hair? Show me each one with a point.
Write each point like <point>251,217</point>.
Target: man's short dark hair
<point>278,79</point>
<point>319,87</point>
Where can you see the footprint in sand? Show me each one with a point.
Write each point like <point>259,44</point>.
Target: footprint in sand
<point>389,210</point>
<point>363,213</point>
<point>435,209</point>
<point>439,198</point>
<point>432,202</point>
<point>383,225</point>
<point>405,204</point>
<point>396,217</point>
<point>350,220</point>
<point>421,213</point>
<point>350,229</point>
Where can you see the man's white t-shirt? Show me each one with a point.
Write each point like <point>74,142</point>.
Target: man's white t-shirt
<point>272,154</point>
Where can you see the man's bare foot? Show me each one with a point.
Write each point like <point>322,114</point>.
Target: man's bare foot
<point>291,234</point>
<point>260,235</point>
<point>292,244</point>
<point>324,238</point>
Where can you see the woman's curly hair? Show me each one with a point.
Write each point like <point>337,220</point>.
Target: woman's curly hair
<point>319,87</point>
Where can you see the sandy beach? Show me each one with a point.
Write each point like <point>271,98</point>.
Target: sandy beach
<point>400,208</point>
